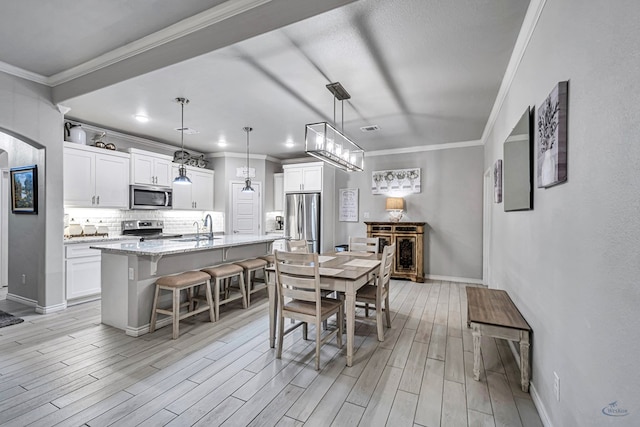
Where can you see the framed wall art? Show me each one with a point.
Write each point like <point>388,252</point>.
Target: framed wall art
<point>24,190</point>
<point>348,205</point>
<point>404,180</point>
<point>497,181</point>
<point>551,134</point>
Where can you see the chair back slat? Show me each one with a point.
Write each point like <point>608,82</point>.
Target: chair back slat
<point>384,275</point>
<point>364,244</point>
<point>298,246</point>
<point>298,277</point>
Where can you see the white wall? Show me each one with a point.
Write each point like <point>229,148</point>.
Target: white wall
<point>450,203</point>
<point>27,114</point>
<point>572,264</point>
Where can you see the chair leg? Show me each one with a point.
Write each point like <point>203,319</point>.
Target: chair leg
<point>366,309</point>
<point>247,274</point>
<point>379,320</point>
<point>207,291</point>
<point>176,313</point>
<point>318,343</point>
<point>387,310</point>
<point>154,314</point>
<point>340,322</point>
<point>280,336</point>
<point>305,330</point>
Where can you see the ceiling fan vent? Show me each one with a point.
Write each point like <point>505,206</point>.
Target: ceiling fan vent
<point>188,131</point>
<point>370,128</point>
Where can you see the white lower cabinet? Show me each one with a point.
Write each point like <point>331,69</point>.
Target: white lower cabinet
<point>82,273</point>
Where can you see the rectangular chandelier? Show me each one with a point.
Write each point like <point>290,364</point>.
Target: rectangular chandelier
<point>328,144</point>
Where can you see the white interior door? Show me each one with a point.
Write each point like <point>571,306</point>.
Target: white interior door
<point>486,226</point>
<point>5,195</point>
<point>246,209</point>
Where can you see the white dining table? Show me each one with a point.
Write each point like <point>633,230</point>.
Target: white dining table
<point>344,272</point>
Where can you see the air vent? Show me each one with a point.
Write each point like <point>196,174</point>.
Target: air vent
<point>188,131</point>
<point>370,128</point>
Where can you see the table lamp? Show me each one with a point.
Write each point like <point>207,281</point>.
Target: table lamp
<point>395,206</point>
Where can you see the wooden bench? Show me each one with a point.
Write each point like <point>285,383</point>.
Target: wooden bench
<point>491,312</point>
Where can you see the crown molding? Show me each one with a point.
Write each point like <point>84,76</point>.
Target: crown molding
<point>418,149</point>
<point>526,31</point>
<point>173,32</point>
<point>23,74</point>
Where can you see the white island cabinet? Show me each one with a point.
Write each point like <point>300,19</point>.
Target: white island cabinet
<point>130,270</point>
<point>95,177</point>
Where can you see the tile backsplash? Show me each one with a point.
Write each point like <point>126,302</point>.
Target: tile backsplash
<point>178,222</point>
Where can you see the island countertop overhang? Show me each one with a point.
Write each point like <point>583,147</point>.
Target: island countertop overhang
<point>170,246</point>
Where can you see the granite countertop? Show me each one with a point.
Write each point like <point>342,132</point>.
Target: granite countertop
<point>97,239</point>
<point>175,246</point>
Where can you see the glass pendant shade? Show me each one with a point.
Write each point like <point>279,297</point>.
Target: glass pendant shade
<point>328,144</point>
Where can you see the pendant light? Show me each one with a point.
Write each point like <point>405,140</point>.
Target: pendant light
<point>247,182</point>
<point>182,178</point>
<point>327,143</point>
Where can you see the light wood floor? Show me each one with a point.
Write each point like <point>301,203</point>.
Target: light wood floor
<point>67,369</point>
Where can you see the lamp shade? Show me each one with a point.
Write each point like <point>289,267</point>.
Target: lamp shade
<point>395,204</point>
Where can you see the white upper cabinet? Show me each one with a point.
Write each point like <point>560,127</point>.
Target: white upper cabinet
<point>149,168</point>
<point>278,191</point>
<point>302,177</point>
<point>198,195</point>
<point>94,177</point>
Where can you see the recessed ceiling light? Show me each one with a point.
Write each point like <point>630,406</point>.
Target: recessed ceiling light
<point>289,144</point>
<point>222,143</point>
<point>141,118</point>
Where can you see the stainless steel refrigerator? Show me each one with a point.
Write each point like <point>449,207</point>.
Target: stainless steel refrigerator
<point>302,218</point>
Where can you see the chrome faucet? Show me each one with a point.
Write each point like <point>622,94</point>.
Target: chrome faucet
<point>197,224</point>
<point>208,221</point>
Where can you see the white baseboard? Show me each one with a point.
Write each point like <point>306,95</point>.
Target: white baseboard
<point>136,332</point>
<point>454,279</point>
<point>22,300</point>
<point>51,308</point>
<point>544,417</point>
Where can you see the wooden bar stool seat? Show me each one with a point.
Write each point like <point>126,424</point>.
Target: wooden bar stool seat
<point>269,258</point>
<point>250,267</point>
<point>189,281</point>
<point>221,276</point>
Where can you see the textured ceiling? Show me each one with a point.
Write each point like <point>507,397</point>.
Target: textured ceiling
<point>425,71</point>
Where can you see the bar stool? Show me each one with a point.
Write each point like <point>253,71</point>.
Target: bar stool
<point>176,283</point>
<point>269,258</point>
<point>223,274</point>
<point>250,267</point>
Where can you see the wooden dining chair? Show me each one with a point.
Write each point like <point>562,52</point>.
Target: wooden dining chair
<point>379,292</point>
<point>300,246</point>
<point>364,244</point>
<point>299,298</point>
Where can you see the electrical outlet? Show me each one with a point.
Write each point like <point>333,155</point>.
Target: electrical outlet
<point>24,279</point>
<point>366,215</point>
<point>556,386</point>
<point>131,273</point>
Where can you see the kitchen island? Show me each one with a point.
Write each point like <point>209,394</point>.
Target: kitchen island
<point>130,269</point>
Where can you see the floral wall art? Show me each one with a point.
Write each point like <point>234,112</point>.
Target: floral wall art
<point>405,180</point>
<point>497,181</point>
<point>551,134</point>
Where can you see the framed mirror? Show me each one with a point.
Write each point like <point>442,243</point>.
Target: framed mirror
<point>517,167</point>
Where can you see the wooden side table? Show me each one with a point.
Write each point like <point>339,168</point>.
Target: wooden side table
<point>409,240</point>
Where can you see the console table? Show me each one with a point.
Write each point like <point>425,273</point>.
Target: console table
<point>409,240</point>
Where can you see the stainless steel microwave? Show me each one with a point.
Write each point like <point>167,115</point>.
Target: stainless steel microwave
<point>147,197</point>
